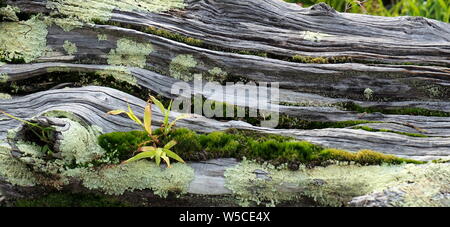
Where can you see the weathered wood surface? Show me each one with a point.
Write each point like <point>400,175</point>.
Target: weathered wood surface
<point>404,60</point>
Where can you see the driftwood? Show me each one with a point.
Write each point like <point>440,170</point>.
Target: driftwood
<point>404,61</point>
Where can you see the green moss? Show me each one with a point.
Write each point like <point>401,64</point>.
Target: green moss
<point>180,67</point>
<point>130,53</point>
<point>115,180</point>
<point>351,106</point>
<point>64,199</point>
<point>29,42</point>
<point>234,143</point>
<point>121,145</point>
<point>297,123</point>
<point>173,36</point>
<point>70,48</point>
<point>366,128</point>
<point>320,60</point>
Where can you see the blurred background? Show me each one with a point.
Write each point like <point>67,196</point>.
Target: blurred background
<point>434,9</point>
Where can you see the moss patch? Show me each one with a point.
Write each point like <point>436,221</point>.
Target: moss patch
<point>369,129</point>
<point>351,106</point>
<point>29,42</point>
<point>234,143</point>
<point>64,199</point>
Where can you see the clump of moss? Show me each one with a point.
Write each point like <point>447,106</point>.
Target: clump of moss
<point>351,106</point>
<point>64,199</point>
<point>130,53</point>
<point>29,42</point>
<point>369,129</point>
<point>173,36</point>
<point>320,60</point>
<point>234,143</point>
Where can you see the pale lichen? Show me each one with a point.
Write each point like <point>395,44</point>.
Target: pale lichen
<point>102,37</point>
<point>314,36</point>
<point>15,171</point>
<point>79,144</point>
<point>129,53</point>
<point>5,96</point>
<point>368,93</point>
<point>9,13</point>
<point>119,73</point>
<point>29,42</point>
<point>181,65</point>
<point>3,77</point>
<point>90,11</point>
<point>139,175</point>
<point>67,24</point>
<point>336,185</point>
<point>70,48</point>
<point>217,74</point>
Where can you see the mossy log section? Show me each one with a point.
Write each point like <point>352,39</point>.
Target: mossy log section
<point>320,57</point>
<point>91,103</point>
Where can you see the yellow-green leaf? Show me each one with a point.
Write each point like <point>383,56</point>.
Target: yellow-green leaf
<point>142,155</point>
<point>170,144</point>
<point>158,104</point>
<point>174,156</point>
<point>148,119</point>
<point>116,112</point>
<point>133,117</point>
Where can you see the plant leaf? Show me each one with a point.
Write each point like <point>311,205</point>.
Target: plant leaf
<point>133,117</point>
<point>174,156</point>
<point>148,119</point>
<point>170,144</point>
<point>158,156</point>
<point>158,104</point>
<point>142,155</point>
<point>166,159</point>
<point>116,112</point>
<point>183,116</point>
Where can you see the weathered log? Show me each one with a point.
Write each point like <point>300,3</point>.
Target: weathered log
<point>321,58</point>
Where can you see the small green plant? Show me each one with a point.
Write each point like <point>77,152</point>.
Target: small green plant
<point>44,134</point>
<point>153,151</point>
